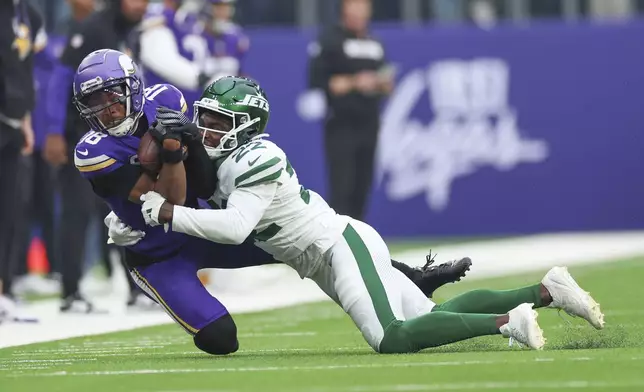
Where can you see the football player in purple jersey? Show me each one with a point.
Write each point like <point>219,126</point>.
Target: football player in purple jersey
<point>172,46</point>
<point>226,40</point>
<point>110,95</point>
<point>189,43</point>
<point>109,27</point>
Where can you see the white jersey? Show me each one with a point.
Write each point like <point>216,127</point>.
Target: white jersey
<point>298,226</point>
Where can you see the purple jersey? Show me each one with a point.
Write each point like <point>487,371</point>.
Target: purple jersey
<point>98,154</point>
<point>224,56</point>
<point>227,50</point>
<point>185,31</point>
<point>215,56</point>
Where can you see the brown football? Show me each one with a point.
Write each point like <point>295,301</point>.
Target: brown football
<point>149,154</point>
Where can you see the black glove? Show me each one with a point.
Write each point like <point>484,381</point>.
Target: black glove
<point>161,133</point>
<point>171,124</point>
<point>189,133</point>
<point>171,118</point>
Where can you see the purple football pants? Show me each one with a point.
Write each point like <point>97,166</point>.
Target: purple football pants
<point>173,283</point>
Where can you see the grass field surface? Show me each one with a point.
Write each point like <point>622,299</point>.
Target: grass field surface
<point>316,348</point>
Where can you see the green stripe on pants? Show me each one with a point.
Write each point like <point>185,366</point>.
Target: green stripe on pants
<point>370,276</point>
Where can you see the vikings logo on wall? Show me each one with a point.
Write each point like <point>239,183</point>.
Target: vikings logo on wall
<point>473,126</point>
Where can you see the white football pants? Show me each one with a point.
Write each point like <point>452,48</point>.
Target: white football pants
<point>358,275</point>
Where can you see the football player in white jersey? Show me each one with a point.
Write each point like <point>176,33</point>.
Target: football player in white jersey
<point>259,195</point>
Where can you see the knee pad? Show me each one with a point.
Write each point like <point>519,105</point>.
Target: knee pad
<point>219,337</point>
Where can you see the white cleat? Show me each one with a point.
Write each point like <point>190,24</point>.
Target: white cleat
<point>9,312</point>
<point>523,327</point>
<point>7,309</point>
<point>568,296</point>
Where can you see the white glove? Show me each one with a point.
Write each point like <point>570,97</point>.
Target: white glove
<point>151,207</point>
<point>119,233</point>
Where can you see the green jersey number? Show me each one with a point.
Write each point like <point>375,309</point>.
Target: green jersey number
<point>243,150</point>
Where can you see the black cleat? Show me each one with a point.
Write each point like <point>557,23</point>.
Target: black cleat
<point>429,278</point>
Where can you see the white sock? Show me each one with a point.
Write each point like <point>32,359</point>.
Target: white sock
<point>505,330</point>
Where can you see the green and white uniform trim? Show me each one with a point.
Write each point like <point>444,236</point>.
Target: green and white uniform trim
<point>296,220</point>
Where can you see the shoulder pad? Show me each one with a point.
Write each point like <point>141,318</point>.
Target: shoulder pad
<point>96,155</point>
<point>165,95</point>
<point>257,162</point>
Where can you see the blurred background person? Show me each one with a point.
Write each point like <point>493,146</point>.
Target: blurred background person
<point>227,43</point>
<point>349,66</point>
<point>169,40</point>
<point>55,151</point>
<point>108,28</point>
<point>39,185</point>
<point>21,35</point>
<point>189,43</point>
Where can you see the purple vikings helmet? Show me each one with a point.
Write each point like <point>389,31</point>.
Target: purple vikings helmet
<point>108,92</point>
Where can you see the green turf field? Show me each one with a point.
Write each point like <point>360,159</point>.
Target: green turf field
<point>316,348</point>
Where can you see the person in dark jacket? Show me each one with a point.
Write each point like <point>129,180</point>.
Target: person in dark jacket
<point>349,65</point>
<point>21,35</point>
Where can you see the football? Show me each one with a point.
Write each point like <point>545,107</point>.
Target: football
<point>149,154</point>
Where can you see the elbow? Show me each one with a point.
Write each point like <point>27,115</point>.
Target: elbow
<point>240,236</point>
<point>237,240</point>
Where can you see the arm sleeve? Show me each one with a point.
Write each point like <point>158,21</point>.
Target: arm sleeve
<point>160,54</point>
<point>232,225</point>
<point>17,97</point>
<point>200,170</point>
<point>118,183</point>
<point>320,63</point>
<point>10,88</point>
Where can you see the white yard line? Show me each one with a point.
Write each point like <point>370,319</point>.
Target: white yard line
<point>476,386</point>
<point>304,368</point>
<point>269,287</point>
<point>479,386</point>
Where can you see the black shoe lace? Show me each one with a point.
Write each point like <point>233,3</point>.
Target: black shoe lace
<point>429,259</point>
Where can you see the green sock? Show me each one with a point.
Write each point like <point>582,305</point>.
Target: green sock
<point>436,329</point>
<point>492,301</point>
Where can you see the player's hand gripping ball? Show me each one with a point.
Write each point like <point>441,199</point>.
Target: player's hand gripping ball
<point>150,154</point>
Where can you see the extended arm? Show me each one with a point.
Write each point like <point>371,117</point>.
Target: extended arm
<point>231,225</point>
